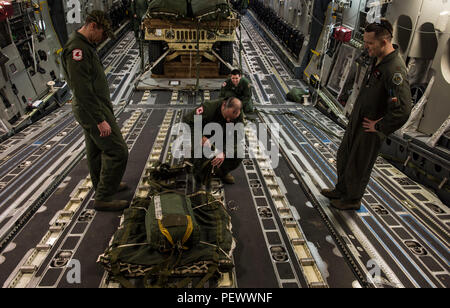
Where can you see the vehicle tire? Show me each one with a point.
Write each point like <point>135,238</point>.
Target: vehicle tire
<point>226,53</point>
<point>155,51</point>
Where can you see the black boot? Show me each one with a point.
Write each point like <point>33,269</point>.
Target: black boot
<point>346,205</point>
<point>331,193</point>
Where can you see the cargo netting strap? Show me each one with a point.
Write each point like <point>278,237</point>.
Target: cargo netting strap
<point>123,272</point>
<point>203,192</point>
<point>115,266</point>
<point>163,270</point>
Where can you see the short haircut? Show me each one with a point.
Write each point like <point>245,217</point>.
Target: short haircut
<point>236,72</point>
<point>382,29</point>
<point>233,102</point>
<point>90,19</point>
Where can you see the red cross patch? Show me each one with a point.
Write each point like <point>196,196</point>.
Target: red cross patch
<point>199,111</point>
<point>77,54</point>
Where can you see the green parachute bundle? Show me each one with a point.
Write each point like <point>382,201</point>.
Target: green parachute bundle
<point>164,8</point>
<point>168,237</point>
<point>170,222</point>
<point>199,9</point>
<point>210,9</point>
<point>296,95</point>
<point>161,172</point>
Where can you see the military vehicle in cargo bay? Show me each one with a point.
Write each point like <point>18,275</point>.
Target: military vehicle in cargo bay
<point>190,38</point>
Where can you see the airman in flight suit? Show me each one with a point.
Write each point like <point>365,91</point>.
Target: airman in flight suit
<point>382,107</point>
<point>221,112</point>
<point>240,87</point>
<point>106,150</point>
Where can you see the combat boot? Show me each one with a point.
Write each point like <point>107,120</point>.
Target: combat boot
<point>331,193</point>
<point>122,186</point>
<point>346,205</point>
<point>228,178</point>
<point>199,184</point>
<point>110,206</point>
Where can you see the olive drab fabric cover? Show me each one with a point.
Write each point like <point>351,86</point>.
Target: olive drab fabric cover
<point>210,9</point>
<point>176,8</point>
<point>198,9</point>
<point>296,95</point>
<point>130,255</point>
<point>170,222</point>
<point>161,172</point>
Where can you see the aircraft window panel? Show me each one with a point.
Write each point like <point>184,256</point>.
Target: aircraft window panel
<point>445,63</point>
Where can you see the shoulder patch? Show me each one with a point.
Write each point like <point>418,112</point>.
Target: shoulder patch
<point>397,79</point>
<point>77,54</point>
<point>199,111</point>
<point>224,84</point>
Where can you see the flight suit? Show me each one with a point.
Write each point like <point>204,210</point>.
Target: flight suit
<point>138,7</point>
<point>243,91</point>
<point>359,149</point>
<point>211,113</point>
<point>107,156</point>
<point>240,5</point>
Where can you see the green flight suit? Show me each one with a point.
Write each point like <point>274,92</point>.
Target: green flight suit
<point>211,113</point>
<point>243,91</point>
<point>107,156</point>
<point>359,149</point>
<point>240,5</point>
<point>138,8</point>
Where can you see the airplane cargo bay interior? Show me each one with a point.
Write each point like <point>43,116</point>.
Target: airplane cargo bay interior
<point>339,174</point>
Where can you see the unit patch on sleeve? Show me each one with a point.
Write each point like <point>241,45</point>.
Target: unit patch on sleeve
<point>397,79</point>
<point>199,111</point>
<point>77,54</point>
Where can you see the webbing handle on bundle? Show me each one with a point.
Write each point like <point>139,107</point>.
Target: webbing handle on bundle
<point>115,267</point>
<point>187,234</point>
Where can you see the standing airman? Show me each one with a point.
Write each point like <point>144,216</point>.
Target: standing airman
<point>106,150</point>
<point>382,107</point>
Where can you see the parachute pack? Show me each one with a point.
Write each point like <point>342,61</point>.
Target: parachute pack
<point>170,222</point>
<point>168,239</point>
<point>198,9</point>
<point>296,95</point>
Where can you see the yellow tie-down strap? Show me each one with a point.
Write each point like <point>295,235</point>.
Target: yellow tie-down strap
<point>187,234</point>
<point>315,52</point>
